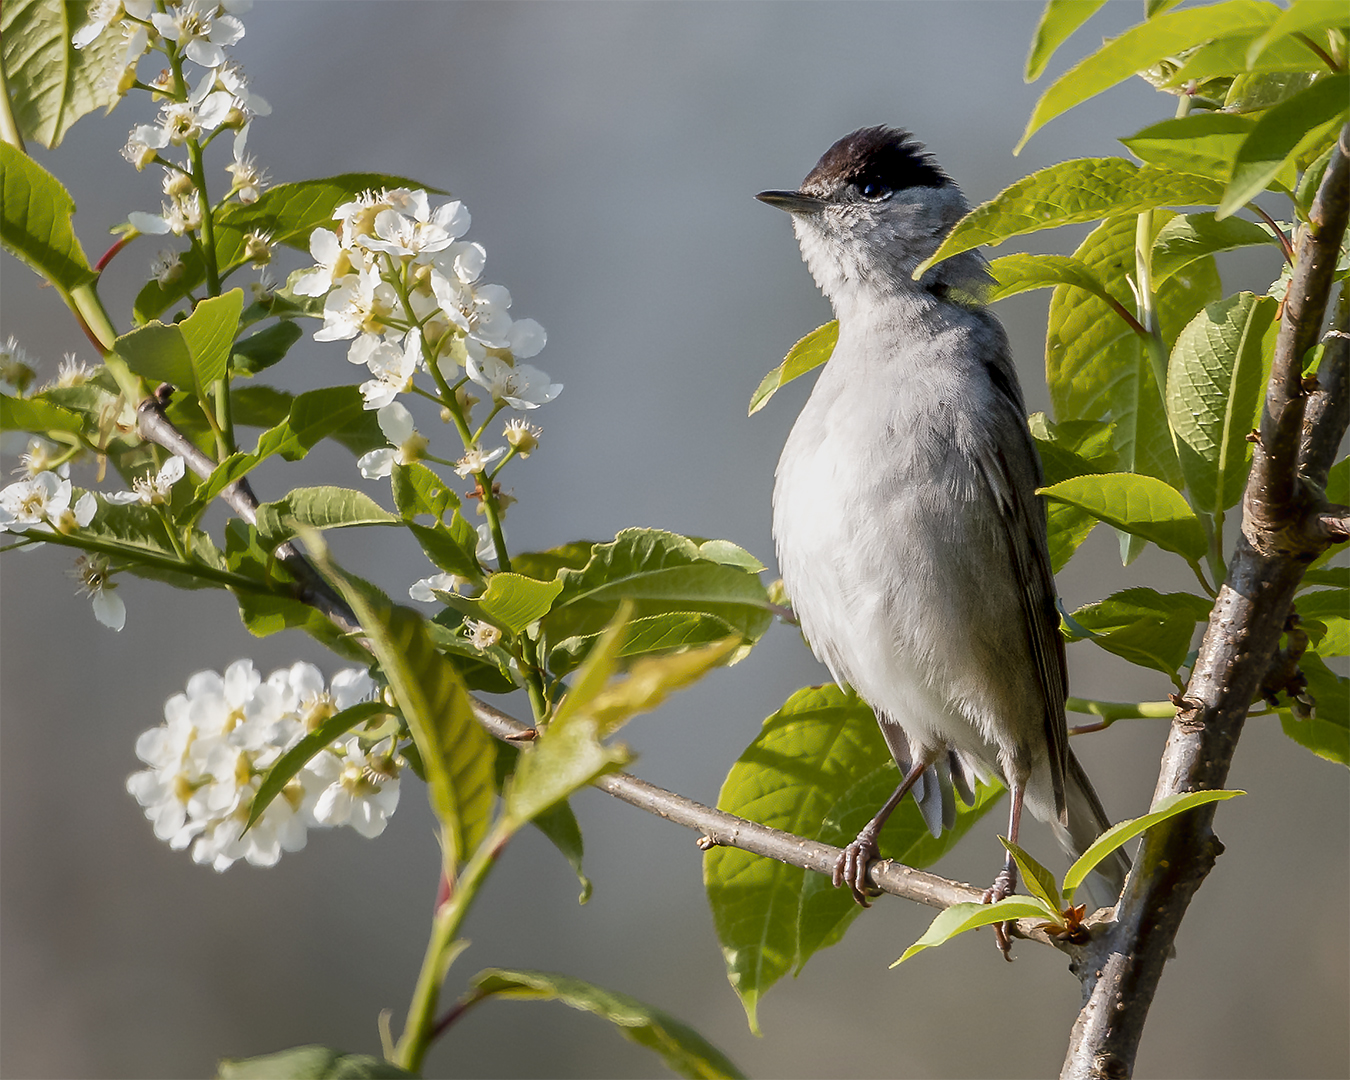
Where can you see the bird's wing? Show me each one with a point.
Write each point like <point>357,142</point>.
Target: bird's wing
<point>1013,474</point>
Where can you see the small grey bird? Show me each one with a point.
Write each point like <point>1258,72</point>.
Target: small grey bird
<point>909,533</point>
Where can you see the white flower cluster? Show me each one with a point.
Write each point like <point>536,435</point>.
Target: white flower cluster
<point>218,739</point>
<point>199,32</point>
<point>396,276</point>
<point>40,503</point>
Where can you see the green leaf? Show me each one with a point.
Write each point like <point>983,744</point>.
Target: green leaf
<point>651,680</point>
<point>1141,47</point>
<point>660,573</point>
<point>648,636</point>
<point>299,755</point>
<point>260,351</point>
<point>1278,135</point>
<point>1337,576</point>
<point>264,614</point>
<point>809,353</point>
<point>1227,57</point>
<point>1154,8</point>
<point>1122,833</point>
<point>1038,880</point>
<point>38,415</point>
<point>1301,17</point>
<point>50,83</point>
<point>160,353</point>
<point>310,1063</point>
<point>683,1049</point>
<point>318,508</point>
<point>451,548</point>
<point>288,212</point>
<point>1143,626</point>
<point>1203,143</point>
<point>1021,273</point>
<point>1327,731</point>
<point>35,225</point>
<point>558,824</point>
<point>456,752</point>
<point>1188,237</point>
<point>1097,368</point>
<point>1332,609</point>
<point>513,601</point>
<point>418,491</point>
<point>819,768</point>
<point>1141,505</point>
<point>209,332</point>
<point>1069,193</point>
<point>959,918</point>
<point>1059,19</point>
<point>314,415</point>
<point>1214,387</point>
<point>544,565</point>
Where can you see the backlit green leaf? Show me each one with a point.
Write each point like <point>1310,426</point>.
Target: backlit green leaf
<point>684,1050</point>
<point>50,83</point>
<point>35,225</point>
<point>1214,385</point>
<point>1141,47</point>
<point>36,414</point>
<point>1141,505</point>
<point>1188,237</point>
<point>959,918</point>
<point>513,601</point>
<point>809,353</point>
<point>1331,608</point>
<point>1327,731</point>
<point>1021,273</point>
<point>1059,19</point>
<point>1085,189</point>
<point>1301,17</point>
<point>261,350</point>
<point>318,508</point>
<point>1039,882</point>
<point>1203,143</point>
<point>311,1063</point>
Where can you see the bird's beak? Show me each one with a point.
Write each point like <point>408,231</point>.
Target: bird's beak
<point>794,202</point>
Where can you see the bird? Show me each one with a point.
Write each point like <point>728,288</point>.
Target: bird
<point>909,534</point>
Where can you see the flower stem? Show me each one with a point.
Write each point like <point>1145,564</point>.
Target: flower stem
<point>421,1026</point>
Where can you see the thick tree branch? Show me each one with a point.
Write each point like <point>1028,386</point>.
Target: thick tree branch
<point>1282,505</point>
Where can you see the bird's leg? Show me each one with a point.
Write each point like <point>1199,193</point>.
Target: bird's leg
<point>1006,881</point>
<point>851,866</point>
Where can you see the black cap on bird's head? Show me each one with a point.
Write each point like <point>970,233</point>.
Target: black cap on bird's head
<point>869,164</point>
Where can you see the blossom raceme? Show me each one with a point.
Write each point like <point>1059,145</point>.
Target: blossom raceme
<point>221,735</point>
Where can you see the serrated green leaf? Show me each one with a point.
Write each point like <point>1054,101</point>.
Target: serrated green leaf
<point>299,755</point>
<point>38,415</point>
<point>50,83</point>
<point>1227,57</point>
<point>1336,576</point>
<point>513,601</point>
<point>1203,143</point>
<point>287,212</point>
<point>558,824</point>
<point>35,225</point>
<point>1097,369</point>
<point>544,565</point>
<point>160,353</point>
<point>652,679</point>
<point>209,332</point>
<point>456,752</point>
<point>1214,385</point>
<point>648,636</point>
<point>1021,273</point>
<point>318,508</point>
<point>1040,883</point>
<point>809,353</point>
<point>819,768</point>
<point>1331,608</point>
<point>260,351</point>
<point>1154,8</point>
<point>310,1063</point>
<point>1059,19</point>
<point>1278,135</point>
<point>683,1049</point>
<point>1327,731</point>
<point>264,614</point>
<point>659,573</point>
<point>959,918</point>
<point>1141,505</point>
<point>1301,17</point>
<point>1123,832</point>
<point>450,547</point>
<point>1188,237</point>
<point>1085,189</point>
<point>1141,47</point>
<point>728,554</point>
<point>1145,627</point>
<point>1067,527</point>
<point>419,491</point>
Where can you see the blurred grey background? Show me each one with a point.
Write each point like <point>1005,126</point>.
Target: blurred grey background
<point>608,153</point>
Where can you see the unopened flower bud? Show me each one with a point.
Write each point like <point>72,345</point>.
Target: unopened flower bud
<point>177,183</point>
<point>257,249</point>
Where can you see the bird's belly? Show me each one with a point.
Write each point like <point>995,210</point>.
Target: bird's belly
<point>903,587</point>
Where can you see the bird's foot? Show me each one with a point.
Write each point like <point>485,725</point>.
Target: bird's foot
<point>1001,889</point>
<point>851,867</point>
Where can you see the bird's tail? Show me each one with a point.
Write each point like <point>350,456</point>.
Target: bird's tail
<point>1087,821</point>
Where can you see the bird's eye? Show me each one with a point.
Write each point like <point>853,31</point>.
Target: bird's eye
<point>873,190</point>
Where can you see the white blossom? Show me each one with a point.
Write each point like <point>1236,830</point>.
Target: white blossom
<point>152,490</point>
<point>92,573</point>
<point>405,444</point>
<point>476,459</point>
<point>359,305</point>
<point>362,787</point>
<point>167,267</point>
<point>482,635</point>
<point>333,262</point>
<point>425,589</point>
<point>422,233</point>
<point>520,386</point>
<point>207,760</point>
<point>393,369</point>
<point>39,458</point>
<point>199,31</point>
<point>33,501</point>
